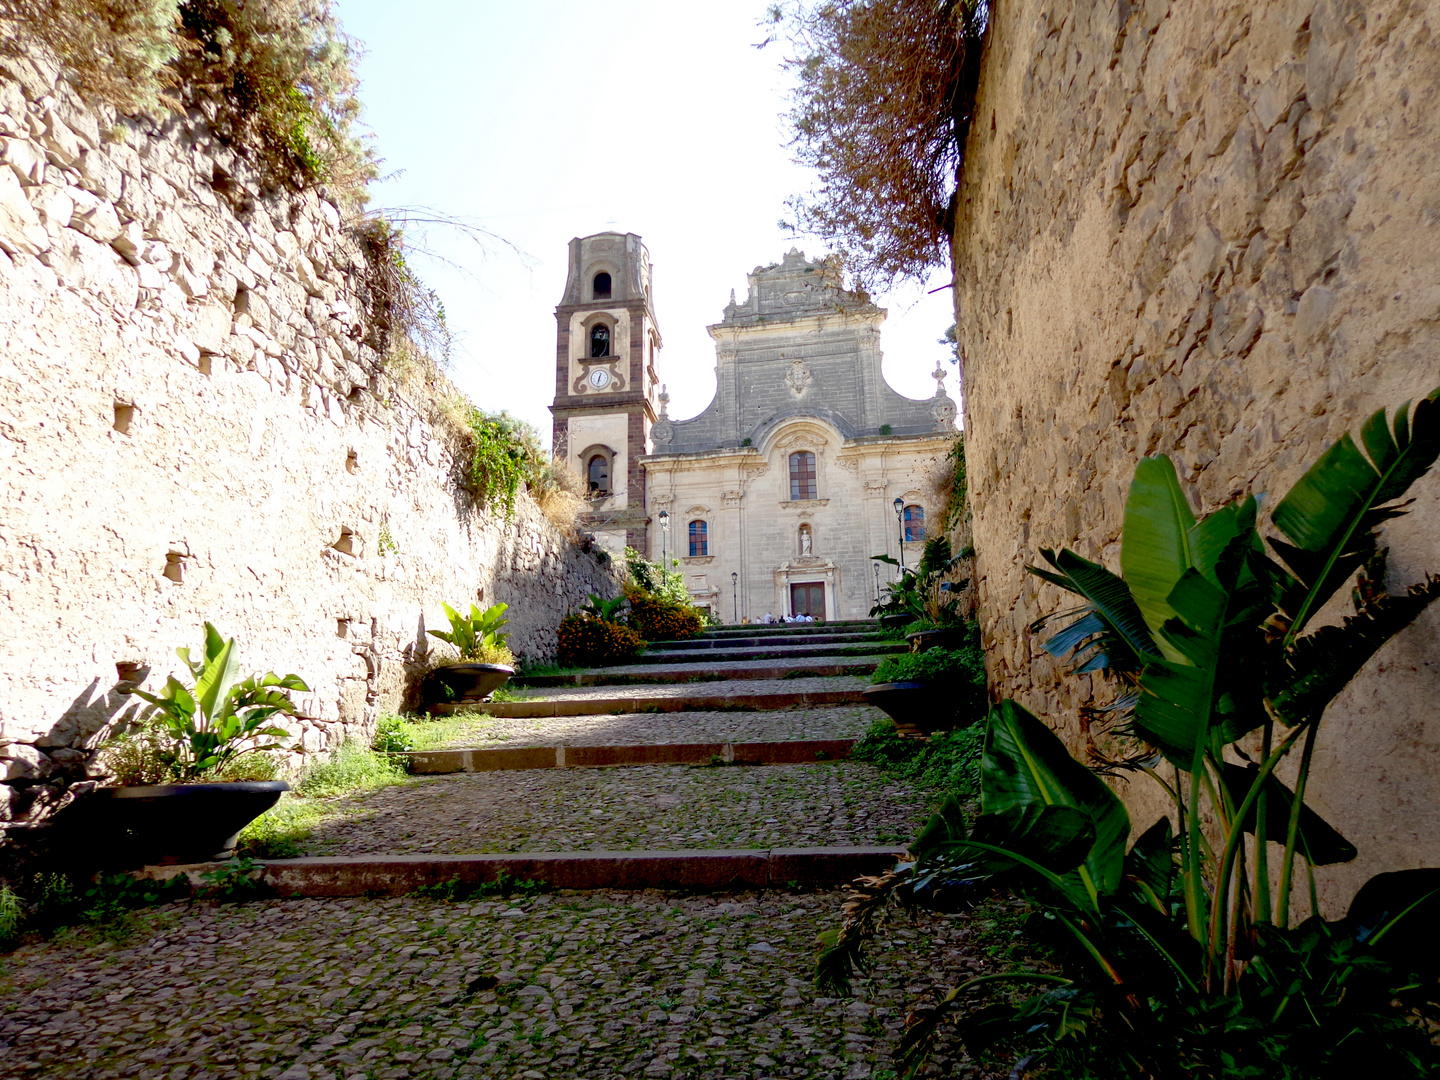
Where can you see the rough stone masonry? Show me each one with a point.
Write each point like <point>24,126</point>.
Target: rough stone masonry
<point>196,424</point>
<point>1208,228</point>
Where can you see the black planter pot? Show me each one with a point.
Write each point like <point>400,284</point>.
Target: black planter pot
<point>466,684</point>
<point>901,618</point>
<point>949,637</point>
<point>174,823</point>
<point>920,709</point>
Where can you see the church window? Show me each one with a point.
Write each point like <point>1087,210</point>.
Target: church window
<point>699,542</point>
<point>802,475</point>
<point>602,286</point>
<point>599,340</point>
<point>914,524</point>
<point>598,474</point>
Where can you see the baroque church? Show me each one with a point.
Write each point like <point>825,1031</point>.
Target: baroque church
<point>806,463</point>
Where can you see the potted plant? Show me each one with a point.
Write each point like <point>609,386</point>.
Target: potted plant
<point>935,690</point>
<point>185,791</point>
<point>485,663</point>
<point>923,595</point>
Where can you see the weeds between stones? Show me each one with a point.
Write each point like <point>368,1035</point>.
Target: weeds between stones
<point>504,885</point>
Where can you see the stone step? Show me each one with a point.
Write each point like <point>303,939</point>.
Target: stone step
<point>606,700</point>
<point>780,628</point>
<point>701,644</point>
<point>635,729</point>
<point>687,871</point>
<point>771,652</point>
<point>494,759</point>
<point>690,670</point>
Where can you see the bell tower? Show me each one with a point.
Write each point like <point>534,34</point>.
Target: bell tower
<point>605,384</point>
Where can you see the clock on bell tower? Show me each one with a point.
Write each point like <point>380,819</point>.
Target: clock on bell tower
<point>605,383</point>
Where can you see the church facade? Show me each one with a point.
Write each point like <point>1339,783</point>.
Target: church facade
<point>805,464</point>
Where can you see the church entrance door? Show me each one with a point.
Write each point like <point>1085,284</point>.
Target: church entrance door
<point>808,599</point>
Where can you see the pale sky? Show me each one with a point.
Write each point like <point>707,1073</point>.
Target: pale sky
<point>545,120</point>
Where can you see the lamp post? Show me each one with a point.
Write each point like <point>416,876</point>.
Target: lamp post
<point>899,505</point>
<point>664,540</point>
<point>877,582</point>
<point>735,597</point>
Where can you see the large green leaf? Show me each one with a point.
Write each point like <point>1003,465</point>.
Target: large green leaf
<point>1057,836</point>
<point>1150,865</point>
<point>1177,700</point>
<point>212,686</point>
<point>946,826</point>
<point>1213,536</point>
<point>1126,641</point>
<point>1330,514</point>
<point>1025,762</point>
<point>1221,681</point>
<point>1155,544</point>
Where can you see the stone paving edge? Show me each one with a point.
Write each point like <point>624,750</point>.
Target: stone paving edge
<point>689,871</point>
<point>591,706</point>
<point>785,752</point>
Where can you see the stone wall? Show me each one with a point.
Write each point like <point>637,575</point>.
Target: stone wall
<point>195,424</point>
<point>1209,229</point>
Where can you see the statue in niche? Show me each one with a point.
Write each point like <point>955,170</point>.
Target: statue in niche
<point>805,540</point>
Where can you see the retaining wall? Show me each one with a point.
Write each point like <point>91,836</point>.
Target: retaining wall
<point>196,424</point>
<point>1209,229</point>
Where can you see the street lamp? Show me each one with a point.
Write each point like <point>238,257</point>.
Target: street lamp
<point>877,583</point>
<point>735,597</point>
<point>899,505</point>
<point>664,539</point>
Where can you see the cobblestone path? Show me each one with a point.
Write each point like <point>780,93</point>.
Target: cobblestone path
<point>627,729</point>
<point>570,984</point>
<point>838,804</point>
<point>581,985</point>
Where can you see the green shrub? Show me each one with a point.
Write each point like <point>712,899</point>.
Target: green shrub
<point>965,666</point>
<point>657,619</point>
<point>12,914</point>
<point>281,72</point>
<point>591,642</point>
<point>352,767</point>
<point>948,761</point>
<point>505,452</point>
<point>393,735</point>
<point>652,578</point>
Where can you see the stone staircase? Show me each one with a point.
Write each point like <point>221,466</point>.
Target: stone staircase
<point>644,776</point>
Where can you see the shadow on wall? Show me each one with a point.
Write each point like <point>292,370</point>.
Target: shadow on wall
<point>48,774</point>
<point>417,661</point>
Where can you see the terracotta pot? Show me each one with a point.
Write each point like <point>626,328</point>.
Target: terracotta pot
<point>467,683</point>
<point>175,823</point>
<point>920,709</point>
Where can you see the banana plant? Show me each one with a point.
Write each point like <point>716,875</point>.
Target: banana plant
<point>604,610</point>
<point>1206,631</point>
<point>219,717</point>
<point>472,633</point>
<point>1209,629</point>
<point>921,592</point>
